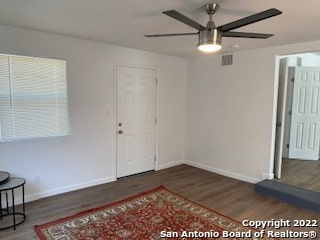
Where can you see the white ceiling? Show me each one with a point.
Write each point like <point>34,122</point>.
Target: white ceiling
<point>125,22</point>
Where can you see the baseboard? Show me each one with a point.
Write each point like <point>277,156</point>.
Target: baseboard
<point>36,196</point>
<point>268,176</point>
<point>223,172</point>
<point>168,165</point>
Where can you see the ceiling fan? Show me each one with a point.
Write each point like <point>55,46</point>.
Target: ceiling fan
<point>210,36</point>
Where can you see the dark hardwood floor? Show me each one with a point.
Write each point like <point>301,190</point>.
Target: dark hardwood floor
<point>230,197</point>
<point>301,173</point>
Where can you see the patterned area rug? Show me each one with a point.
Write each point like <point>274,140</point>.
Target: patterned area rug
<point>156,214</point>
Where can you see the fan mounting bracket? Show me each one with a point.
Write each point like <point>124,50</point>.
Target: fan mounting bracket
<point>211,8</point>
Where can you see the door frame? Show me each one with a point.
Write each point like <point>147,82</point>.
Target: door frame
<point>274,133</point>
<point>275,129</point>
<point>274,118</point>
<point>117,64</point>
<point>280,116</point>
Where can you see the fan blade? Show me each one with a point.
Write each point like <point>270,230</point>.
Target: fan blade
<point>182,18</point>
<point>169,35</point>
<point>246,35</point>
<point>248,20</point>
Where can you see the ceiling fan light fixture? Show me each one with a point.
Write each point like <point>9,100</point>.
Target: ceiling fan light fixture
<point>209,40</point>
<point>210,36</point>
<point>209,47</point>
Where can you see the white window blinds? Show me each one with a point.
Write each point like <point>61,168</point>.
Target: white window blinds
<point>33,98</point>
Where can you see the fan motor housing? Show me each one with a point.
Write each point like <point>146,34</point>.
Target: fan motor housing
<point>210,36</point>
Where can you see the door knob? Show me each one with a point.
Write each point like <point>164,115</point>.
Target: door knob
<point>120,131</point>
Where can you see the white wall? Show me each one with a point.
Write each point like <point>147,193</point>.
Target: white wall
<point>307,59</point>
<point>87,156</point>
<point>230,114</point>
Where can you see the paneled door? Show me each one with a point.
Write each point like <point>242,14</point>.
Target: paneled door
<point>136,119</point>
<point>305,122</point>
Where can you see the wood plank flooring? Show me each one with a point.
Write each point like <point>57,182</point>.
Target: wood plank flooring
<point>230,197</point>
<point>301,173</point>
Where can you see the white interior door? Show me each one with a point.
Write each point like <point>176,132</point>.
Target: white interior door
<point>288,113</point>
<point>305,122</point>
<point>136,116</point>
<point>282,94</point>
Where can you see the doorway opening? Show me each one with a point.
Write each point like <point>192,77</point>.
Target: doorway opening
<point>297,145</point>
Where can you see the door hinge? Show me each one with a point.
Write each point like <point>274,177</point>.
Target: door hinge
<point>155,158</point>
<point>290,112</point>
<point>288,145</point>
<point>156,81</point>
<point>292,79</point>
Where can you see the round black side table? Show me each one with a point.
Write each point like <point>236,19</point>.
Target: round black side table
<point>17,217</point>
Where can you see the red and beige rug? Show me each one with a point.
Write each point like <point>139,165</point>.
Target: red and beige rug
<point>156,214</point>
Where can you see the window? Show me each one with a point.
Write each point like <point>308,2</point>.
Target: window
<point>33,98</point>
